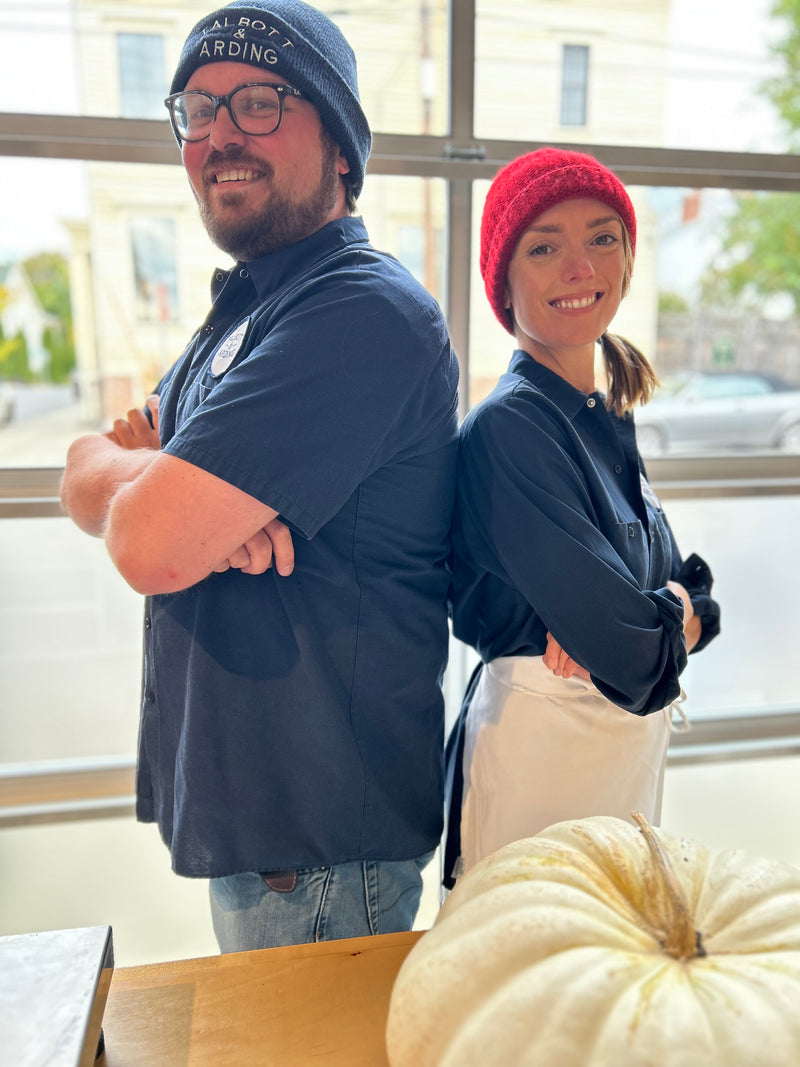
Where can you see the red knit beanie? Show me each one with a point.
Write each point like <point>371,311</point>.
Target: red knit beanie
<point>526,188</point>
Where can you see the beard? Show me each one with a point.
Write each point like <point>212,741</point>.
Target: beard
<point>282,221</point>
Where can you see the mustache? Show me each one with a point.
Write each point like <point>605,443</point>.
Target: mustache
<point>234,157</point>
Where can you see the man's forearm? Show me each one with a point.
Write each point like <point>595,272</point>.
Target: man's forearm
<point>95,469</point>
<point>167,523</point>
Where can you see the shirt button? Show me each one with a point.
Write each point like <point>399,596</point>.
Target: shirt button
<point>151,697</point>
<point>147,623</point>
<point>618,469</point>
<point>208,329</point>
<point>220,277</point>
<point>631,530</point>
<point>590,403</point>
<point>244,273</point>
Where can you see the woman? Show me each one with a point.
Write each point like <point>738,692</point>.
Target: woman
<point>566,577</point>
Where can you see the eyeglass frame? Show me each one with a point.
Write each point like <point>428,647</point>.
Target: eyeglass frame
<point>225,101</point>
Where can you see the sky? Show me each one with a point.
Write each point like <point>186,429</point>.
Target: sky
<point>35,37</point>
<point>718,56</point>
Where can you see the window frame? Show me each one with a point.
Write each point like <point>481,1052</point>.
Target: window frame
<point>461,159</point>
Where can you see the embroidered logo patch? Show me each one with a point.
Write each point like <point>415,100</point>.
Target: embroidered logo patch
<point>228,348</point>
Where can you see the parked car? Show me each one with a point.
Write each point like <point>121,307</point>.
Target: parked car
<point>720,411</point>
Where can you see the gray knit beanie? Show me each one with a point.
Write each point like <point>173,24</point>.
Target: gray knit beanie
<point>297,42</point>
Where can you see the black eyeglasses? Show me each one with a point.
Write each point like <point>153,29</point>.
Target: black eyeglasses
<point>256,109</point>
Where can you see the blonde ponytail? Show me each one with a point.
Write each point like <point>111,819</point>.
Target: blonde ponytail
<point>631,379</point>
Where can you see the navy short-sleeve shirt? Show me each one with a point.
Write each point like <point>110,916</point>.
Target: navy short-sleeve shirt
<point>297,722</point>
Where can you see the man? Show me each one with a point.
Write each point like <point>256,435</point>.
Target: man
<point>291,733</point>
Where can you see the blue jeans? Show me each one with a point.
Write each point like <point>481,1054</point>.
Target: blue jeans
<point>252,911</point>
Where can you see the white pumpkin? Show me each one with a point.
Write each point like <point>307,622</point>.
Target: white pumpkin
<point>600,944</point>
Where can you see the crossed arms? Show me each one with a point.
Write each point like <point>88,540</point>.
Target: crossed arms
<point>564,666</point>
<point>167,524</point>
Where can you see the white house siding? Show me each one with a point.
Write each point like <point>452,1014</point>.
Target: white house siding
<point>518,83</point>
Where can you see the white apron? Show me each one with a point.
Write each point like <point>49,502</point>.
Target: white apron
<point>539,749</point>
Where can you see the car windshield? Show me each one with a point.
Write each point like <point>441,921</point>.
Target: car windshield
<point>719,386</point>
<point>672,385</point>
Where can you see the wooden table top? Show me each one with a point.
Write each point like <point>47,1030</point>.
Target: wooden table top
<point>306,1004</point>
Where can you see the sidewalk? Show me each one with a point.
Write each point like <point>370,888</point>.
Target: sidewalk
<point>41,440</point>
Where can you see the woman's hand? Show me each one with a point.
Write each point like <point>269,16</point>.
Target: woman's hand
<point>560,663</point>
<point>692,624</point>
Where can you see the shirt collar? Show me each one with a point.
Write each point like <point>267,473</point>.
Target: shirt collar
<point>270,272</point>
<point>569,399</point>
<point>273,270</point>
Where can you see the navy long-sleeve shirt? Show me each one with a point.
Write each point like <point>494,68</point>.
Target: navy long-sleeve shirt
<point>557,529</point>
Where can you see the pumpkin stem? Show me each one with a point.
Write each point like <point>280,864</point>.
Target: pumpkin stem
<point>680,939</point>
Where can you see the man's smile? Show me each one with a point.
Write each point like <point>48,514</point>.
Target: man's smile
<point>240,174</point>
<point>225,169</point>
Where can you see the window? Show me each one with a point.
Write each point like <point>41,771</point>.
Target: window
<point>142,82</point>
<point>153,242</point>
<point>574,84</point>
<point>118,209</point>
<point>420,249</point>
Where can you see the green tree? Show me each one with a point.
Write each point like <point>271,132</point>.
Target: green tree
<point>50,278</point>
<point>669,303</point>
<point>760,240</point>
<point>14,358</point>
<point>13,350</point>
<point>783,89</point>
<point>62,353</point>
<point>760,252</point>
